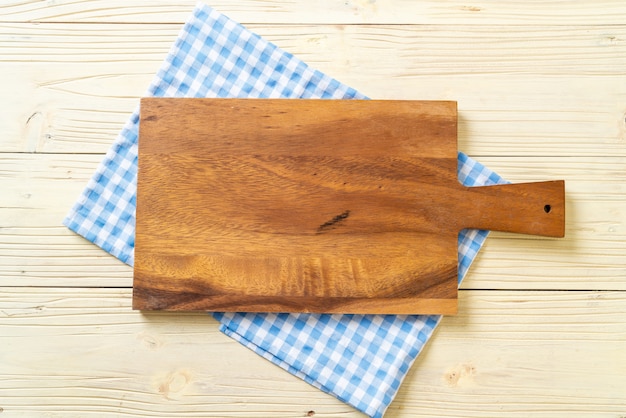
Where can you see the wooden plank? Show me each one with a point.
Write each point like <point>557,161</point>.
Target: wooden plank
<point>479,12</point>
<point>75,352</point>
<point>39,189</point>
<point>561,93</point>
<point>407,49</point>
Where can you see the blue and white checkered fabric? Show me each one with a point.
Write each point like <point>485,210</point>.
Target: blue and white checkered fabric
<point>360,359</point>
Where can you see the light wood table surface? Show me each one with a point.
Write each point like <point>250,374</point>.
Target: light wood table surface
<point>541,91</point>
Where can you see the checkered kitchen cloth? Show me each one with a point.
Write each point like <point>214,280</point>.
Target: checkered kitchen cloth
<point>360,359</point>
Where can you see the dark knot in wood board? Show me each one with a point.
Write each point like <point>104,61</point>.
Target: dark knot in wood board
<point>333,222</point>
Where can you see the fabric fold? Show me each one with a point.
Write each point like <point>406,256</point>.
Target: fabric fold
<point>360,359</point>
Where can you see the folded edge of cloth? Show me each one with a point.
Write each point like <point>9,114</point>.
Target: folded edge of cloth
<point>360,359</point>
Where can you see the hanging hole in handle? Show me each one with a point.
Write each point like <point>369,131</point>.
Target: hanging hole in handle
<point>547,208</point>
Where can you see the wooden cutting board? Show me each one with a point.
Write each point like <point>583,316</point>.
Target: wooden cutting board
<point>336,206</point>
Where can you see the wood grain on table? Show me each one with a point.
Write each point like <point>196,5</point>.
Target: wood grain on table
<point>541,91</point>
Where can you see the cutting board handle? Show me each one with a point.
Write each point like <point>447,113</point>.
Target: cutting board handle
<point>525,208</point>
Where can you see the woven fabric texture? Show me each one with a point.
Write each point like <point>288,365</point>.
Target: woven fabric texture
<point>360,359</point>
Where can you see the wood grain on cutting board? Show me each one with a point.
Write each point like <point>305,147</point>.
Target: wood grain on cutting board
<point>334,206</point>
